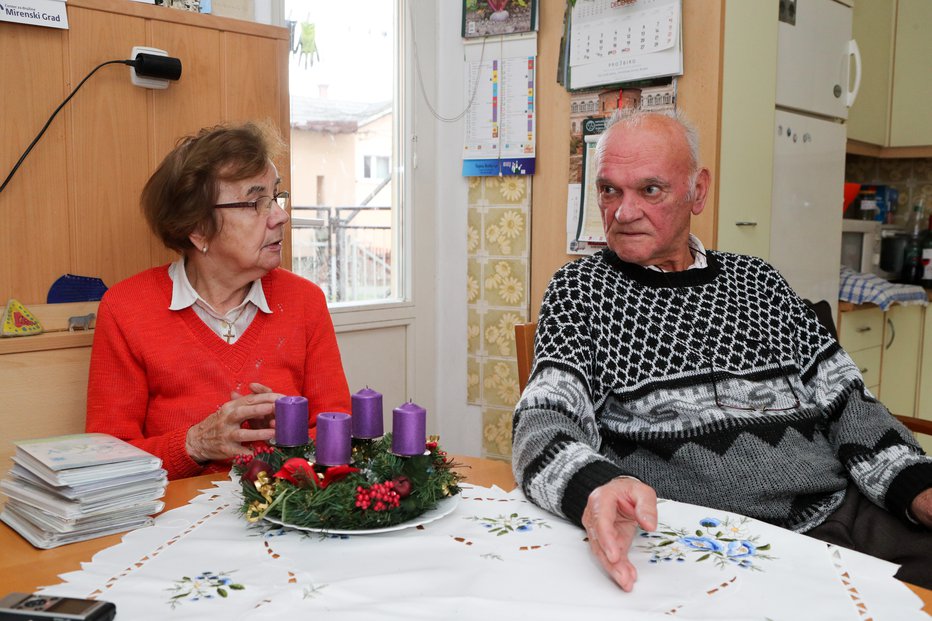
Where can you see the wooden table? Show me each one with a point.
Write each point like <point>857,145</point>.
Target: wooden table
<point>24,568</point>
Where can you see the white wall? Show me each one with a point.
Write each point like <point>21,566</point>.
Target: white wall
<point>459,424</point>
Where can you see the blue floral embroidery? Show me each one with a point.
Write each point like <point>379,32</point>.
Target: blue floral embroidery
<point>513,523</point>
<point>206,585</point>
<point>702,543</point>
<point>726,542</point>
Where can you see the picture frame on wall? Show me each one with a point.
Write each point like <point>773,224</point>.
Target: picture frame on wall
<point>485,18</point>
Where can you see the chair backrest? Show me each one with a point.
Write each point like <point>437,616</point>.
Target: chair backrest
<point>823,311</point>
<point>524,349</point>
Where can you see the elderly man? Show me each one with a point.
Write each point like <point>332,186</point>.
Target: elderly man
<point>700,376</point>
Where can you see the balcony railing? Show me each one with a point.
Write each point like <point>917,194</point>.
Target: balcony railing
<point>347,251</point>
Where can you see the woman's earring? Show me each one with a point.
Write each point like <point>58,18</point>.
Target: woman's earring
<point>204,249</point>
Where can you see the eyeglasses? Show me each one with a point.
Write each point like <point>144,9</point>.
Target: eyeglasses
<point>262,205</point>
<point>723,402</point>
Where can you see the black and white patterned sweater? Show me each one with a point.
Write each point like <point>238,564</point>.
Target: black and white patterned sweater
<point>716,386</point>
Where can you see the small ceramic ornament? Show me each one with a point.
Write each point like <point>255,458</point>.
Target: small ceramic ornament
<point>19,321</point>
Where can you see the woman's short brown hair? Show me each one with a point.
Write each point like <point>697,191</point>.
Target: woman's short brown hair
<point>179,197</point>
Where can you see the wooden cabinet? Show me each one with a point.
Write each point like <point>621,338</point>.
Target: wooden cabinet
<point>861,334</point>
<point>924,406</point>
<point>43,378</point>
<point>892,107</point>
<point>899,372</point>
<point>73,207</point>
<point>893,351</point>
<point>924,410</point>
<point>873,27</point>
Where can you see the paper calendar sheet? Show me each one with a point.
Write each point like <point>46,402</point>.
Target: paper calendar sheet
<point>612,42</point>
<point>501,130</point>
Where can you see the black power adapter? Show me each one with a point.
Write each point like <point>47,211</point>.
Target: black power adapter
<point>155,66</point>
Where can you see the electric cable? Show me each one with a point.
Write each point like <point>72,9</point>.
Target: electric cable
<point>420,79</point>
<point>131,63</point>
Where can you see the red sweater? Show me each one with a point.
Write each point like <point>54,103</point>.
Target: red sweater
<point>155,372</point>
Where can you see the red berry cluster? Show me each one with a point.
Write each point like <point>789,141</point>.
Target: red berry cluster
<point>378,497</point>
<point>441,456</point>
<point>259,448</point>
<point>242,460</point>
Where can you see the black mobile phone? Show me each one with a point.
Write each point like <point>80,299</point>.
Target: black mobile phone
<point>24,607</point>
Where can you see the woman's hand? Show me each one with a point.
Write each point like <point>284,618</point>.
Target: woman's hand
<point>221,435</point>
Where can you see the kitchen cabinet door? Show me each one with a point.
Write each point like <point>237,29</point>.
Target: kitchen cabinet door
<point>892,107</point>
<point>873,27</point>
<point>860,332</point>
<point>924,410</point>
<point>899,371</point>
<point>924,406</point>
<point>912,86</point>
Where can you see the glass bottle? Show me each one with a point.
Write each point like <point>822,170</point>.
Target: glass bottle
<point>926,259</point>
<point>912,257</point>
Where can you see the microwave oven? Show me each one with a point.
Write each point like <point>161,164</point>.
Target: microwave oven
<point>861,245</point>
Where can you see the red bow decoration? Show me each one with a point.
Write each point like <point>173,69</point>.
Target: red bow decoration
<point>336,473</point>
<point>299,472</point>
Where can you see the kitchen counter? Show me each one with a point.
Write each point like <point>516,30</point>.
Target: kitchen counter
<point>847,307</point>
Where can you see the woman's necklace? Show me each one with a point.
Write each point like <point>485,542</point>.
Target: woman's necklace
<point>229,335</point>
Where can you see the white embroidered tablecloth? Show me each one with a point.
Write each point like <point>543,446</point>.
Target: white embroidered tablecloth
<point>496,556</point>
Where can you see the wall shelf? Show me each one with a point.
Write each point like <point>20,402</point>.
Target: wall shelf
<point>46,341</point>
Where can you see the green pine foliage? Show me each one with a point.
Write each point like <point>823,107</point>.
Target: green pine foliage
<point>335,507</point>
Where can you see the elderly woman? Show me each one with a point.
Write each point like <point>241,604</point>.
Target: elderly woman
<point>189,358</point>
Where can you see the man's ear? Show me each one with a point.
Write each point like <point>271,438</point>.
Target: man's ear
<point>700,191</point>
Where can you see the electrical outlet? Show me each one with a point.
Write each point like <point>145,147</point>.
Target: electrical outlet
<point>787,12</point>
<point>146,82</point>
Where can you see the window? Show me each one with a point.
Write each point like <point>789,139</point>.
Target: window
<point>375,166</point>
<point>345,121</point>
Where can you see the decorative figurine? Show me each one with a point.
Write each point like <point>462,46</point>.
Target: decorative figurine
<point>80,322</point>
<point>19,321</point>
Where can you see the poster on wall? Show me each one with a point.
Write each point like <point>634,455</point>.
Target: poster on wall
<point>48,13</point>
<point>501,126</point>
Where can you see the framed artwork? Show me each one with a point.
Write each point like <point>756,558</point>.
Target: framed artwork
<point>485,18</point>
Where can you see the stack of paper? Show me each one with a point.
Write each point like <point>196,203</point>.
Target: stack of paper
<point>71,488</point>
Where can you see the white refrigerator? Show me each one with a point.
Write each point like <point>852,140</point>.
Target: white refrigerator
<point>818,74</point>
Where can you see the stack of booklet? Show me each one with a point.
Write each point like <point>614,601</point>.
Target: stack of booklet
<point>71,488</point>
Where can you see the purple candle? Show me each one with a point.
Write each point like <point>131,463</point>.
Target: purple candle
<point>291,421</point>
<point>367,414</point>
<point>333,439</point>
<point>409,429</point>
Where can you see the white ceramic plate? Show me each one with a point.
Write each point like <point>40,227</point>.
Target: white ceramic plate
<point>444,507</point>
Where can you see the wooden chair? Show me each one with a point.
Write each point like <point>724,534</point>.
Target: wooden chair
<point>524,348</point>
